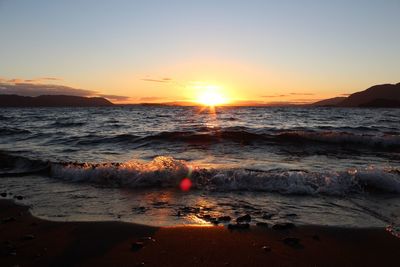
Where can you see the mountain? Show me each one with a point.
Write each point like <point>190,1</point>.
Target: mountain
<point>330,102</point>
<point>382,103</point>
<point>52,101</point>
<point>384,95</point>
<point>372,94</point>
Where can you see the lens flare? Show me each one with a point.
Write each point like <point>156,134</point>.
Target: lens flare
<point>185,184</point>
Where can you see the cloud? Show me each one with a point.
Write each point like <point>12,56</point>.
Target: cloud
<point>34,80</point>
<point>270,96</point>
<point>305,100</point>
<point>151,98</point>
<point>301,94</point>
<point>163,80</point>
<point>30,89</point>
<point>116,97</point>
<point>14,87</point>
<point>50,78</point>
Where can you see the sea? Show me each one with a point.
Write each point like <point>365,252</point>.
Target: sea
<point>171,166</point>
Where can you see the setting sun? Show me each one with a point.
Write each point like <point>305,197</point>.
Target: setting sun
<point>210,95</point>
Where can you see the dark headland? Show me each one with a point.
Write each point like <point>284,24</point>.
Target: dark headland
<point>384,95</point>
<point>53,101</point>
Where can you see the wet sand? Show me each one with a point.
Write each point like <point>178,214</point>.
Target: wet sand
<point>29,241</point>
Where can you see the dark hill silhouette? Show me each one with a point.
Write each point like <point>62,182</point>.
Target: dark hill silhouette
<point>372,94</point>
<point>330,102</point>
<point>384,95</point>
<point>382,103</point>
<point>52,101</point>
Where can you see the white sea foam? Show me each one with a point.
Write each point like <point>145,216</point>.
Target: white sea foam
<point>168,172</point>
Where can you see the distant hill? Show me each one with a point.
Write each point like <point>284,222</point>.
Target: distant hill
<point>52,101</point>
<point>329,102</point>
<point>384,95</point>
<point>382,103</point>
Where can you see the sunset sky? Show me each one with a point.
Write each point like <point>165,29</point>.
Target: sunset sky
<point>161,51</point>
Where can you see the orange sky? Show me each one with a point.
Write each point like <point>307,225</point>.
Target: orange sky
<point>160,51</point>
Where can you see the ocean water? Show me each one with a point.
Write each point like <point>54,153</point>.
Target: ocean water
<point>327,166</point>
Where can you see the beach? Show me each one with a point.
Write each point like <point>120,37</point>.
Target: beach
<point>29,241</point>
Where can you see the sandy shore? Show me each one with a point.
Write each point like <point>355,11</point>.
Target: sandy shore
<point>28,241</point>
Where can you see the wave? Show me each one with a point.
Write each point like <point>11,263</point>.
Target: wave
<point>66,124</point>
<point>13,131</point>
<point>166,172</point>
<point>279,137</point>
<point>19,166</point>
<point>344,138</point>
<point>99,140</point>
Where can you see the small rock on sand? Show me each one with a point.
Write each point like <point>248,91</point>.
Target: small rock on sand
<point>239,226</point>
<point>283,226</point>
<point>9,219</point>
<point>224,218</point>
<point>245,218</point>
<point>316,237</point>
<point>28,237</point>
<point>137,246</point>
<point>267,216</point>
<point>262,224</point>
<point>147,238</point>
<point>293,242</point>
<point>266,248</point>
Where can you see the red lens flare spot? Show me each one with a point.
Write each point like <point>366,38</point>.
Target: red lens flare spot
<point>186,184</point>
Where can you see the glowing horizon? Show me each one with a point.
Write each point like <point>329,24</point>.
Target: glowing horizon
<point>255,51</point>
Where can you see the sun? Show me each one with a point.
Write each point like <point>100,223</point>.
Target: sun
<point>210,95</point>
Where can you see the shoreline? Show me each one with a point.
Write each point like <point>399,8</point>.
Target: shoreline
<point>28,241</point>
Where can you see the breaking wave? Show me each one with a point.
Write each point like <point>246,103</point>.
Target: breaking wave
<point>168,172</point>
<point>245,136</point>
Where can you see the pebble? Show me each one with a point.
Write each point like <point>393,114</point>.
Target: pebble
<point>283,226</point>
<point>28,237</point>
<point>215,222</point>
<point>9,219</point>
<point>293,242</point>
<point>224,218</point>
<point>266,248</point>
<point>262,224</point>
<point>267,216</point>
<point>315,237</point>
<point>147,238</point>
<point>238,226</point>
<point>137,246</point>
<point>245,218</point>
<point>207,217</point>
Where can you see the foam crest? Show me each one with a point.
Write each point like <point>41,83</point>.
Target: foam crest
<point>168,172</point>
<point>161,172</point>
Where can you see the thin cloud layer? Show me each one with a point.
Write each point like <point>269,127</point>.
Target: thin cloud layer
<point>163,80</point>
<point>151,98</point>
<point>115,97</point>
<point>34,80</point>
<point>25,88</point>
<point>30,89</point>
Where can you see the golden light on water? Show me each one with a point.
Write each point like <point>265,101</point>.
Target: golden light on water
<point>210,95</point>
